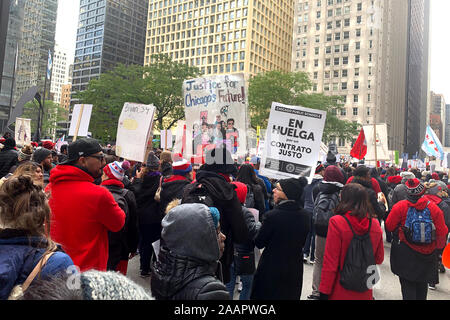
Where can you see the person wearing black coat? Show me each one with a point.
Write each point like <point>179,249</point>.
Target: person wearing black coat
<point>248,176</point>
<point>279,275</point>
<point>191,245</point>
<point>122,244</point>
<point>149,215</point>
<point>8,157</point>
<point>214,177</point>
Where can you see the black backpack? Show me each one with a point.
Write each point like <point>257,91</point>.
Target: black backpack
<point>198,194</point>
<point>250,199</point>
<point>358,262</point>
<point>323,211</point>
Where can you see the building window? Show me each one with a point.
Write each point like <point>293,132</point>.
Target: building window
<point>355,98</point>
<point>355,111</point>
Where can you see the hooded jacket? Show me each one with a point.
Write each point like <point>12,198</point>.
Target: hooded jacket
<point>172,188</point>
<point>189,257</point>
<point>397,219</point>
<point>325,202</point>
<point>82,215</point>
<point>19,254</point>
<point>8,159</point>
<point>338,242</point>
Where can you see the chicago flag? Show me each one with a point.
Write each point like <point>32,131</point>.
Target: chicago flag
<point>432,146</point>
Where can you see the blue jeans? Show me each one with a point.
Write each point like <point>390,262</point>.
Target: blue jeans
<point>247,281</point>
<point>310,244</point>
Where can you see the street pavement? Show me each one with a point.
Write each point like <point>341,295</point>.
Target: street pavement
<point>387,289</point>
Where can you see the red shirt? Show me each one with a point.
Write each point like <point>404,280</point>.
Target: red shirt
<point>375,184</point>
<point>82,214</point>
<point>397,218</point>
<point>338,240</point>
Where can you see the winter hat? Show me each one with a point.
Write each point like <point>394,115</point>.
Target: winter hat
<point>407,175</point>
<point>25,153</point>
<point>241,191</point>
<point>152,161</point>
<point>10,143</point>
<point>40,154</point>
<point>254,160</point>
<point>319,168</point>
<point>48,145</point>
<point>435,187</point>
<point>395,179</point>
<point>215,215</point>
<point>98,285</point>
<point>219,160</point>
<point>333,174</point>
<point>116,170</point>
<point>414,187</point>
<point>83,147</point>
<point>181,166</point>
<point>435,176</point>
<point>293,188</point>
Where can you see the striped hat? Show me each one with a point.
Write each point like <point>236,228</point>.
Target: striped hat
<point>180,166</point>
<point>414,187</point>
<point>116,170</point>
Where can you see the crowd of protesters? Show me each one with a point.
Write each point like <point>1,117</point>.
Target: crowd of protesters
<point>82,208</point>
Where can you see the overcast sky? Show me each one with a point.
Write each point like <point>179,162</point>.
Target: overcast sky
<point>67,22</point>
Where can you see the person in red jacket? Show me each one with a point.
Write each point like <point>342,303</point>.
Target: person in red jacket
<point>415,264</point>
<point>354,206</point>
<point>82,212</point>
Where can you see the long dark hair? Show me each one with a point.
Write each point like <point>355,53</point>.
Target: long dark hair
<point>354,198</point>
<point>247,174</point>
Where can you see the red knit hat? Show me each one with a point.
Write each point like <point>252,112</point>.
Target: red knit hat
<point>241,191</point>
<point>435,176</point>
<point>414,187</point>
<point>116,170</point>
<point>48,145</point>
<point>395,179</point>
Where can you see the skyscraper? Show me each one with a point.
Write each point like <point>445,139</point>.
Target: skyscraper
<point>38,37</point>
<point>229,36</point>
<point>13,14</point>
<point>109,32</point>
<point>60,73</point>
<point>361,50</point>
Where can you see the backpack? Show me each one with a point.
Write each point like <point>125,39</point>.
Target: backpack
<point>390,195</point>
<point>419,227</point>
<point>359,258</point>
<point>323,211</point>
<point>198,194</point>
<point>250,199</point>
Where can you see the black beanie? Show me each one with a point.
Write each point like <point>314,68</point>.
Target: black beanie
<point>293,188</point>
<point>40,154</point>
<point>9,143</point>
<point>220,160</point>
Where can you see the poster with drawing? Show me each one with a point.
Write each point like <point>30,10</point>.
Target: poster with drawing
<point>293,142</point>
<point>134,130</point>
<point>216,114</point>
<point>23,131</point>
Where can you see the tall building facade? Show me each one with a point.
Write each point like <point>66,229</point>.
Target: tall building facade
<point>446,142</point>
<point>109,32</point>
<point>14,12</point>
<point>438,115</point>
<point>60,73</point>
<point>358,49</point>
<point>219,37</point>
<point>39,27</point>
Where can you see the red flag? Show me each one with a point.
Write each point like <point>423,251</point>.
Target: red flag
<point>359,150</point>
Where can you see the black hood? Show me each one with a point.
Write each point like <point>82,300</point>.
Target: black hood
<point>330,187</point>
<point>216,185</point>
<point>362,182</point>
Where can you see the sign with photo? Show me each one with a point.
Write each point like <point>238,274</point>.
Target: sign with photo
<point>23,131</point>
<point>216,115</point>
<point>293,142</point>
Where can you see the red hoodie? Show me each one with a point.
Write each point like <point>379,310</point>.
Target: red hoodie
<point>82,214</point>
<point>338,240</point>
<point>397,218</point>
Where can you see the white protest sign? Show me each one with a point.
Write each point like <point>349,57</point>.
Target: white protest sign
<point>216,114</point>
<point>133,132</point>
<point>180,139</point>
<point>260,150</point>
<point>293,140</point>
<point>79,126</point>
<point>381,142</point>
<point>166,139</point>
<point>23,131</point>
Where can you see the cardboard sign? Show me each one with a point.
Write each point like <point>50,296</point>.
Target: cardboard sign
<point>134,130</point>
<point>81,117</point>
<point>216,114</point>
<point>23,131</point>
<point>293,141</point>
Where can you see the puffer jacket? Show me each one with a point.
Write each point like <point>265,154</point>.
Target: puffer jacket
<point>8,159</point>
<point>19,254</point>
<point>188,259</point>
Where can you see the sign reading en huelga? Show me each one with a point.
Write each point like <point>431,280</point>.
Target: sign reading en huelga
<point>293,140</point>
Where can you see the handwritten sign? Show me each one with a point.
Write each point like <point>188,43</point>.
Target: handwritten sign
<point>135,125</point>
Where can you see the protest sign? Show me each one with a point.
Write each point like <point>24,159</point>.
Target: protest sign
<point>23,131</point>
<point>81,116</point>
<point>293,140</point>
<point>133,132</point>
<point>381,143</point>
<point>180,138</point>
<point>166,139</point>
<point>216,114</point>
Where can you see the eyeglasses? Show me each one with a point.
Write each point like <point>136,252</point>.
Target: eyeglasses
<point>100,157</point>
